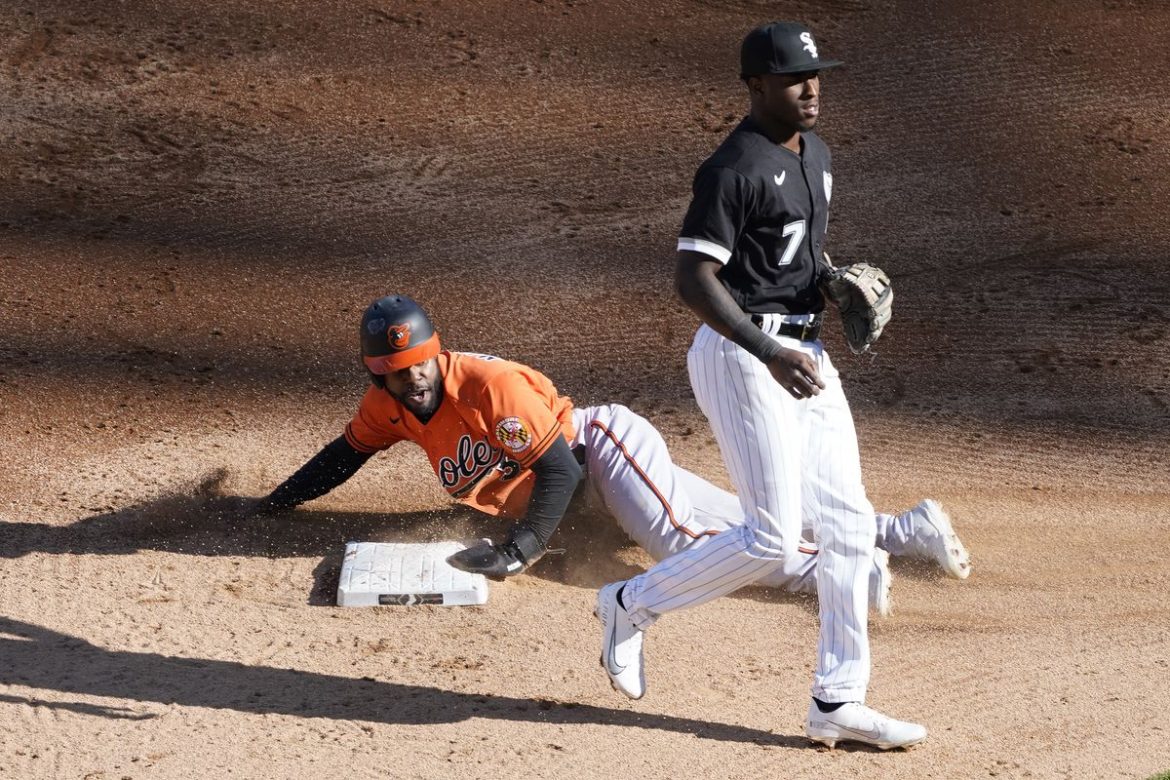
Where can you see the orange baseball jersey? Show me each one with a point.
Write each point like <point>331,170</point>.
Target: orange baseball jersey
<point>495,420</point>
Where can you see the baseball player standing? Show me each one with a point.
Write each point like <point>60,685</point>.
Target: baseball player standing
<point>749,257</point>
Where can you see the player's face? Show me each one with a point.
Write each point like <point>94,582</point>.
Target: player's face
<point>419,388</point>
<point>790,99</point>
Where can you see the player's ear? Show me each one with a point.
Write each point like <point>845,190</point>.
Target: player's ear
<point>377,380</point>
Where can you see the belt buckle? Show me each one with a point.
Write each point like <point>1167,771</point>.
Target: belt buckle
<point>810,329</point>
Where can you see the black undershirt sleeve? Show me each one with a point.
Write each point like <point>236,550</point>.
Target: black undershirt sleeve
<point>557,474</point>
<point>334,464</point>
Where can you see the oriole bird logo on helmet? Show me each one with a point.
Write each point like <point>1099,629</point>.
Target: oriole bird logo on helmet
<point>395,334</point>
<point>399,335</point>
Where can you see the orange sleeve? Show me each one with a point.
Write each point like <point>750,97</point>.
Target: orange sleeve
<point>519,417</point>
<point>370,429</point>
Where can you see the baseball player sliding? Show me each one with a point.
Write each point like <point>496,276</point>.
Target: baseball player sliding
<point>501,439</point>
<point>750,263</point>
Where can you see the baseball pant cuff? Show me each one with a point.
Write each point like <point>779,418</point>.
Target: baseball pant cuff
<point>837,695</point>
<point>641,618</point>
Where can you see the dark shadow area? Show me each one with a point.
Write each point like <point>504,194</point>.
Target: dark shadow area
<point>201,521</point>
<point>37,657</point>
<point>1130,402</point>
<point>81,708</point>
<point>277,364</point>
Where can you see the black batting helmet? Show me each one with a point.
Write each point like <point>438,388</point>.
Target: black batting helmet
<point>396,333</point>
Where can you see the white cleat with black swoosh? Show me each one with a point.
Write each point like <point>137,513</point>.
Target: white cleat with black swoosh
<point>854,722</point>
<point>621,644</point>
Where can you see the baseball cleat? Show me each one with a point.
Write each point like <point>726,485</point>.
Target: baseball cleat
<point>936,540</point>
<point>880,579</point>
<point>621,644</point>
<point>854,722</point>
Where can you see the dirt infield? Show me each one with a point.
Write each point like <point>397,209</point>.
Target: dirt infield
<point>199,199</point>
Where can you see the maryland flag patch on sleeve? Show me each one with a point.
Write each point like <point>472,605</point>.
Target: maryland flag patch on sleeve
<point>514,434</point>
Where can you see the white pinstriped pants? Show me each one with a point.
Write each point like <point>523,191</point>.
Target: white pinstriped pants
<point>785,457</point>
<point>661,506</point>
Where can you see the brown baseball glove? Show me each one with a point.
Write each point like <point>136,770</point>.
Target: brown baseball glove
<point>865,298</point>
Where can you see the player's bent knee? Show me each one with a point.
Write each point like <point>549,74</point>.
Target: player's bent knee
<point>791,560</point>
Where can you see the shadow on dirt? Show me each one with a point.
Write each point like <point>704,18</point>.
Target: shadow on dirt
<point>39,658</point>
<point>202,520</point>
<point>588,549</point>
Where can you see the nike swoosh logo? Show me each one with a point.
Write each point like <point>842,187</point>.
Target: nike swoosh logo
<point>610,661</point>
<point>779,179</point>
<point>395,420</point>
<point>874,734</point>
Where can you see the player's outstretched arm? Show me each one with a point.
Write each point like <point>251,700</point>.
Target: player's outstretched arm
<point>335,463</point>
<point>698,286</point>
<point>557,474</point>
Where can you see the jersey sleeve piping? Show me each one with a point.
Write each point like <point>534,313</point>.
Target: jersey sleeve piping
<point>702,246</point>
<point>540,447</point>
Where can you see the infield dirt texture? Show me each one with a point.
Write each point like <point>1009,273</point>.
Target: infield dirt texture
<point>199,198</point>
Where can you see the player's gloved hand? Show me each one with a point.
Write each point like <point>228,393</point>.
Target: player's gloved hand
<point>497,561</point>
<point>797,373</point>
<point>863,294</point>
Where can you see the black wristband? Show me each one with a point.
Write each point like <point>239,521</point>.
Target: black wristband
<point>755,341</point>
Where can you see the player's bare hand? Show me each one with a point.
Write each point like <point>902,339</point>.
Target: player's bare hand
<point>797,373</point>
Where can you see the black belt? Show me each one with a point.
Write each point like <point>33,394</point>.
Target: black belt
<point>808,331</point>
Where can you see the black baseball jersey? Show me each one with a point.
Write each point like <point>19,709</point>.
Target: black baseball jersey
<point>762,210</point>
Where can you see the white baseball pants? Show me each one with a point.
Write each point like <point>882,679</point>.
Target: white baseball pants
<point>663,507</point>
<point>787,459</point>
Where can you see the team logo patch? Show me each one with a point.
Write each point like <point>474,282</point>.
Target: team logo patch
<point>513,433</point>
<point>399,335</point>
<point>809,45</point>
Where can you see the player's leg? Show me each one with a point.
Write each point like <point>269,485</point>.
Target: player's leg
<point>845,531</point>
<point>925,532</point>
<point>843,525</point>
<point>756,426</point>
<point>630,470</point>
<point>661,506</point>
<point>883,528</point>
<point>664,508</point>
<point>716,509</point>
<point>881,580</point>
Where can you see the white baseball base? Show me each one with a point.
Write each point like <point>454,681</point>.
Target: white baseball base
<point>377,573</point>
